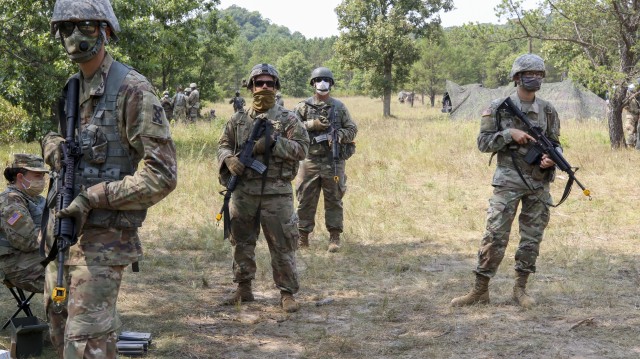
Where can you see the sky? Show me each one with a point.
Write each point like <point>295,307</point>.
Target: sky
<point>317,18</point>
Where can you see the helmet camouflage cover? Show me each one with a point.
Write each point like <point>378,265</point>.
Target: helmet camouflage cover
<point>527,62</point>
<point>75,10</point>
<point>263,69</point>
<point>321,72</point>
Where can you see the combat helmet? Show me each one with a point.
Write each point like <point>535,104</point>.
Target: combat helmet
<point>166,93</point>
<point>527,62</point>
<point>193,85</point>
<point>321,72</point>
<point>263,69</point>
<point>75,10</point>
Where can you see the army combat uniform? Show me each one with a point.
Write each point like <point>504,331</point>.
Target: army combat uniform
<point>317,171</point>
<point>122,124</point>
<point>270,204</point>
<point>20,217</point>
<point>631,122</point>
<point>193,105</point>
<point>510,189</point>
<point>180,106</point>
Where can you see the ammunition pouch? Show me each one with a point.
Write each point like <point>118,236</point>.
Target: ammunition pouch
<point>347,150</point>
<point>94,144</point>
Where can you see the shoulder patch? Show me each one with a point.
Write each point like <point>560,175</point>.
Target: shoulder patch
<point>15,217</point>
<point>157,115</point>
<point>486,112</point>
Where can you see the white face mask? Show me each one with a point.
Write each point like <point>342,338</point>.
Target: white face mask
<point>322,87</point>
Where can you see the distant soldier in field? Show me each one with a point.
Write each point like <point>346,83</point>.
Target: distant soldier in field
<point>167,105</point>
<point>322,115</point>
<point>631,119</point>
<point>180,105</point>
<point>279,99</point>
<point>193,102</point>
<point>21,208</point>
<point>128,164</point>
<point>238,102</point>
<point>264,200</point>
<point>187,93</point>
<point>516,182</point>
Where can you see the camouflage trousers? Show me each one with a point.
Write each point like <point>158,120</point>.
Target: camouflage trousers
<point>193,114</point>
<point>314,176</point>
<point>280,226</point>
<point>631,129</point>
<point>85,325</point>
<point>180,113</point>
<point>24,271</point>
<point>533,219</point>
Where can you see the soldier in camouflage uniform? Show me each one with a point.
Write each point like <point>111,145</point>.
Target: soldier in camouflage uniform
<point>121,125</point>
<point>279,100</point>
<point>167,105</point>
<point>187,93</point>
<point>318,171</point>
<point>238,102</point>
<point>21,208</point>
<point>180,105</point>
<point>193,103</point>
<point>265,200</point>
<point>631,119</point>
<point>515,182</point>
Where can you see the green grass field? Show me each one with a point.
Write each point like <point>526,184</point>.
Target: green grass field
<point>417,195</point>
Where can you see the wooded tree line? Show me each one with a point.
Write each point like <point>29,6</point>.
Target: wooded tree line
<point>384,46</point>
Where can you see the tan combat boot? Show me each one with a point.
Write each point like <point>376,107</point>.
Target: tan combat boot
<point>303,242</point>
<point>288,302</point>
<point>242,294</point>
<point>479,293</point>
<point>334,242</point>
<point>520,296</point>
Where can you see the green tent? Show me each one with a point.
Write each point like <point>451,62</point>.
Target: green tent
<point>572,101</point>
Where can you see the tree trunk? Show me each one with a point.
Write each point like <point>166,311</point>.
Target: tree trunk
<point>386,99</point>
<point>614,118</point>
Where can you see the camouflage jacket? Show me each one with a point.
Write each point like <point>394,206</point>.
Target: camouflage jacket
<point>495,137</point>
<point>290,147</point>
<point>179,100</point>
<point>20,216</point>
<point>144,130</point>
<point>347,128</point>
<point>193,101</point>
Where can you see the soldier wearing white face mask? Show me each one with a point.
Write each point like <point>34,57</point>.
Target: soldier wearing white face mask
<point>323,117</point>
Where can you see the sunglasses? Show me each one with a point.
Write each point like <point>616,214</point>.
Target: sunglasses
<point>260,83</point>
<point>87,27</point>
<point>320,79</point>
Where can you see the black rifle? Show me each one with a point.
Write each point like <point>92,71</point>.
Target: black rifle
<point>545,145</point>
<point>65,231</point>
<point>247,159</point>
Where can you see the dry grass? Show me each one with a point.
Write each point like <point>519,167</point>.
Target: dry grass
<point>414,214</point>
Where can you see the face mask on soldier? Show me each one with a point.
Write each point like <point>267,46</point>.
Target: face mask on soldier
<point>322,87</point>
<point>33,187</point>
<point>82,48</point>
<point>531,83</point>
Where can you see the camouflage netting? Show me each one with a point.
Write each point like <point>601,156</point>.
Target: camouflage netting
<point>570,100</point>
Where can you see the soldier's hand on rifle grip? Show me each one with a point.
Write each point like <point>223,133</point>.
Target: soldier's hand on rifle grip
<point>521,137</point>
<point>78,210</point>
<point>234,165</point>
<point>52,152</point>
<point>546,161</point>
<point>330,139</point>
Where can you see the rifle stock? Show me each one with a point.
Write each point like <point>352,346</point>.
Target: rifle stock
<point>545,145</point>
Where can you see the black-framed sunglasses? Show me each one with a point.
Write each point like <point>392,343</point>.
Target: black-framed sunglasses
<point>86,27</point>
<point>320,79</point>
<point>260,83</point>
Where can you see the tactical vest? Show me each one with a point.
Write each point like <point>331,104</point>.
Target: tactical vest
<point>104,157</point>
<point>181,100</point>
<point>319,149</point>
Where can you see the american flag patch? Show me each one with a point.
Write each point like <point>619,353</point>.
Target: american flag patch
<point>14,218</point>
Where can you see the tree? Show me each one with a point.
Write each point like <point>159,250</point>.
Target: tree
<point>428,74</point>
<point>379,36</point>
<point>294,72</point>
<point>596,40</point>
